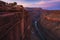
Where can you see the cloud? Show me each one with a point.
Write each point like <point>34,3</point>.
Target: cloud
<point>40,3</point>
<point>9,1</point>
<point>49,3</point>
<point>45,4</point>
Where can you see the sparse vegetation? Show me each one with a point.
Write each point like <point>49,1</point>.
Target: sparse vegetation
<point>10,7</point>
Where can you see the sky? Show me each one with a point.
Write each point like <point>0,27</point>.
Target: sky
<point>45,4</point>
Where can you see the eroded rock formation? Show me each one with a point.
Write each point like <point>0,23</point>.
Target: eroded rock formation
<point>14,22</point>
<point>10,7</point>
<point>50,20</point>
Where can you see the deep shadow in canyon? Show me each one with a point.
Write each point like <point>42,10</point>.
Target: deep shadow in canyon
<point>20,23</point>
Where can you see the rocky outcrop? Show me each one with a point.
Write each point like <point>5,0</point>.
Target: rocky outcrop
<point>50,20</point>
<point>10,7</point>
<point>14,23</point>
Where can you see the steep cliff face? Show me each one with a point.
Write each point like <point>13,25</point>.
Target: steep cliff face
<point>50,20</point>
<point>14,23</point>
